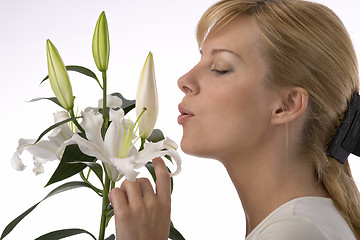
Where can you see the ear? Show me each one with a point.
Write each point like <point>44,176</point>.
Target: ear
<point>291,105</point>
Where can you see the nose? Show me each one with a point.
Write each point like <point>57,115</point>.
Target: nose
<point>188,83</point>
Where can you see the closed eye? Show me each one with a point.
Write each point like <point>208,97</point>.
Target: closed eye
<point>219,72</point>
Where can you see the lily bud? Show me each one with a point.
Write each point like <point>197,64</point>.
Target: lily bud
<point>147,97</point>
<point>101,43</point>
<point>58,76</point>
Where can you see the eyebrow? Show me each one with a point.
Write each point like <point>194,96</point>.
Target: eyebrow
<point>218,50</point>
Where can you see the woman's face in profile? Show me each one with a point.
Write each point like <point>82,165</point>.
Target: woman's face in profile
<point>226,109</point>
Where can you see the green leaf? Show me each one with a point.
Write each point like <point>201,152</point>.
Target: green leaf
<point>97,169</point>
<point>127,105</point>
<point>62,188</point>
<point>151,169</point>
<point>53,99</point>
<point>169,158</point>
<point>53,127</point>
<point>66,187</point>
<point>59,234</point>
<point>111,237</point>
<point>64,170</point>
<point>13,224</point>
<point>81,70</point>
<point>109,216</point>
<point>156,136</point>
<point>175,234</point>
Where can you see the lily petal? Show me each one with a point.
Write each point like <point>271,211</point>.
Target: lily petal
<point>112,102</point>
<point>44,149</point>
<point>159,149</point>
<point>60,116</point>
<point>112,172</point>
<point>87,147</point>
<point>16,162</point>
<point>38,167</point>
<point>61,133</point>
<point>125,166</point>
<point>92,124</point>
<point>115,133</point>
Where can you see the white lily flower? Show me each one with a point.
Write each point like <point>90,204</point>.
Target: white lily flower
<point>147,97</point>
<point>117,150</point>
<point>44,150</point>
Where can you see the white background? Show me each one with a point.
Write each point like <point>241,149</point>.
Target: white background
<point>205,204</point>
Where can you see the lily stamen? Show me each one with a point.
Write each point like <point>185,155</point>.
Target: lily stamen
<point>129,133</point>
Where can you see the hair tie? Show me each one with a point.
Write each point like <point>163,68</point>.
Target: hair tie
<point>346,139</point>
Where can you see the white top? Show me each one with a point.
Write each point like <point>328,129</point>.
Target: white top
<point>304,218</point>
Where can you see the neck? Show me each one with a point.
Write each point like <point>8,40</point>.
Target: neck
<point>265,180</point>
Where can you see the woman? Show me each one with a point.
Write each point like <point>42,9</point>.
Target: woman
<point>280,74</point>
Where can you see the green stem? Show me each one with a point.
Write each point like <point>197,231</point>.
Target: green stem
<point>88,174</point>
<point>105,200</point>
<point>105,204</point>
<point>105,115</point>
<point>96,190</point>
<point>71,112</point>
<point>142,144</point>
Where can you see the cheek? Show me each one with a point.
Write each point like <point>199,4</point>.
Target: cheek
<point>213,127</point>
<point>229,121</point>
<point>228,118</point>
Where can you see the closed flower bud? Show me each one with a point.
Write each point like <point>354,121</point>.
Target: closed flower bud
<point>147,98</point>
<point>101,43</point>
<point>59,78</point>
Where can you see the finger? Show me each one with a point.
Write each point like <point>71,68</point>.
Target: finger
<point>145,186</point>
<point>132,190</point>
<point>163,185</point>
<point>117,199</point>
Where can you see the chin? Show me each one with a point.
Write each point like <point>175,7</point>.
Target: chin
<point>185,147</point>
<point>189,147</point>
<point>194,149</point>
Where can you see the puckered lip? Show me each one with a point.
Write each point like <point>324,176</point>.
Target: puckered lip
<point>185,114</point>
<point>184,111</point>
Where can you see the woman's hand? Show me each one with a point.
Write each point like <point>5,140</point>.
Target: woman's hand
<point>139,212</point>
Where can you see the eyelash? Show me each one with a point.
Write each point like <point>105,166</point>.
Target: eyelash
<point>220,72</point>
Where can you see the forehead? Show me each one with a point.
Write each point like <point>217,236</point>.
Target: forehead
<point>239,35</point>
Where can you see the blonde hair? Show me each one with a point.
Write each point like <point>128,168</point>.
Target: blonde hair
<point>305,45</point>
